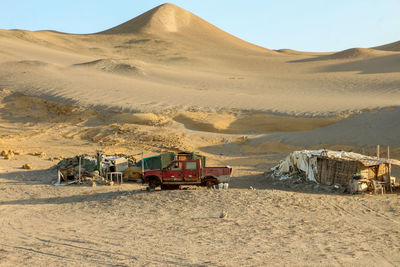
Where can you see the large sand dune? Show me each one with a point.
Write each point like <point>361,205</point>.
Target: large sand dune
<point>186,63</point>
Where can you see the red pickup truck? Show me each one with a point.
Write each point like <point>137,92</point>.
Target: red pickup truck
<point>186,172</point>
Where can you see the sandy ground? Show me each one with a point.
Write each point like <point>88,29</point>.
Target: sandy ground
<point>169,81</point>
<point>125,225</point>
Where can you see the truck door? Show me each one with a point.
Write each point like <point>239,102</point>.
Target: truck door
<point>173,172</point>
<point>192,171</point>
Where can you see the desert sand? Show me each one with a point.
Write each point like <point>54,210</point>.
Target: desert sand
<point>169,81</point>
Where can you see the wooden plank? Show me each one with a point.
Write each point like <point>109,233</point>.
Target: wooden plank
<point>325,172</point>
<point>331,172</point>
<point>319,166</point>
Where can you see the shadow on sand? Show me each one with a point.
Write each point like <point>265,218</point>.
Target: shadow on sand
<point>29,177</point>
<point>262,182</point>
<point>93,197</point>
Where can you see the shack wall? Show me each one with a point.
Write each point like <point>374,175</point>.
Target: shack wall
<point>333,171</point>
<point>383,173</point>
<point>378,172</point>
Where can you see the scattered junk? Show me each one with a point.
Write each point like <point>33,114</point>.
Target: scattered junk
<point>106,170</point>
<point>222,186</point>
<point>339,169</point>
<point>223,214</point>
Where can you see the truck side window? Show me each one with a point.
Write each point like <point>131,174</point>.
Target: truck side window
<point>190,165</point>
<point>174,167</point>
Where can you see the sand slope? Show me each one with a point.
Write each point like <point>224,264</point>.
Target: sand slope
<point>168,58</point>
<point>389,47</point>
<point>357,53</point>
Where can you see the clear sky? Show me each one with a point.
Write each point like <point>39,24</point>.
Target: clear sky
<point>307,25</point>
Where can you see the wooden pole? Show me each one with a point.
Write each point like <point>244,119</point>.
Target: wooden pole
<point>390,170</point>
<point>79,171</point>
<point>143,164</point>
<point>377,151</point>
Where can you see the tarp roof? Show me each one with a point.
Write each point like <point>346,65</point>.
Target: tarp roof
<point>365,160</point>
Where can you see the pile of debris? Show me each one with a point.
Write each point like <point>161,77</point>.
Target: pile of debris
<point>337,169</point>
<point>100,169</point>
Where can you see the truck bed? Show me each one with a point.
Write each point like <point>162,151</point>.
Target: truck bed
<point>223,174</point>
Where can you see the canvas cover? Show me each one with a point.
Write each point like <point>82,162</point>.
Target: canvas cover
<point>161,161</point>
<point>157,162</point>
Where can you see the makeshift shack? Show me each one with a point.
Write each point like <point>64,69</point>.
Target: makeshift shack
<point>335,167</point>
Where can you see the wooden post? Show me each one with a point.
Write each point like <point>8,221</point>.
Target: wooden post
<point>143,164</point>
<point>390,170</point>
<point>79,171</point>
<point>59,177</point>
<point>390,165</point>
<point>377,151</point>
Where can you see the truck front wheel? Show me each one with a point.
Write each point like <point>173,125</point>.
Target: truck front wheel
<point>153,183</point>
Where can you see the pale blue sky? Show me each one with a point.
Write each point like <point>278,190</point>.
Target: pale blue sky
<point>307,25</point>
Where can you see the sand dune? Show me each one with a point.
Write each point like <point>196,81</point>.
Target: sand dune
<point>165,18</point>
<point>171,59</point>
<point>294,52</point>
<point>370,65</point>
<point>357,53</point>
<point>389,47</point>
<point>170,19</point>
<point>348,54</point>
